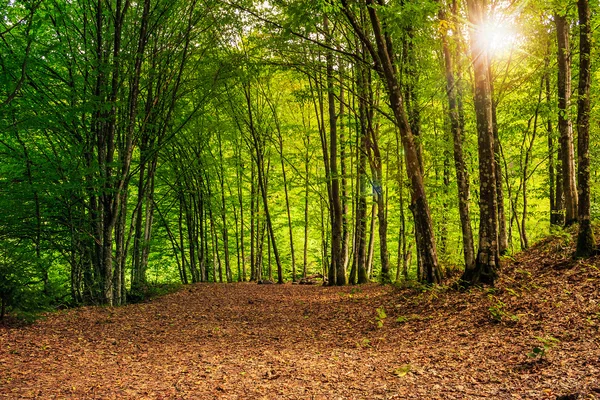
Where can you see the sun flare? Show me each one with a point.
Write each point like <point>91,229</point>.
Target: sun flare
<point>498,36</point>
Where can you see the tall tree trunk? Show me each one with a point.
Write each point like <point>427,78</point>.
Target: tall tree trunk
<point>306,187</point>
<point>502,232</point>
<point>120,254</point>
<point>217,267</point>
<point>376,164</point>
<point>462,173</point>
<point>337,264</point>
<point>402,263</point>
<point>371,248</point>
<point>360,230</point>
<point>228,275</point>
<point>554,210</point>
<point>285,189</point>
<point>487,260</point>
<point>253,233</point>
<point>258,147</point>
<point>564,120</point>
<point>241,206</point>
<point>343,181</point>
<point>324,241</point>
<point>525,168</point>
<point>586,243</point>
<point>181,238</point>
<point>382,54</point>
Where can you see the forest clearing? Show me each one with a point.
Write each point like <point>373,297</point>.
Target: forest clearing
<point>248,341</point>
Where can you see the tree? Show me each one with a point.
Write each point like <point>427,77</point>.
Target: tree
<point>382,54</point>
<point>586,242</point>
<point>457,128</point>
<point>486,263</point>
<point>567,152</point>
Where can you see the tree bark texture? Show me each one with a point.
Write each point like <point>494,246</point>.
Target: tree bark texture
<point>487,259</point>
<point>565,127</point>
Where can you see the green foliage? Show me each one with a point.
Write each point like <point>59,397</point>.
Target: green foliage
<point>564,236</point>
<point>402,371</point>
<point>540,352</point>
<point>498,311</point>
<point>380,316</point>
<point>150,291</point>
<point>20,281</point>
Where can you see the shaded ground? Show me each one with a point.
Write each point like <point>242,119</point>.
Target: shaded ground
<point>251,341</point>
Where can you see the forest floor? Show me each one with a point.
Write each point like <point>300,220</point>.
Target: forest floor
<point>248,341</point>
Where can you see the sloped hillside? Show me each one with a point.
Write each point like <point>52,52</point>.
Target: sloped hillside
<point>535,336</point>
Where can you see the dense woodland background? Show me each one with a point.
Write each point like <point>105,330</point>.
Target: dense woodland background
<point>162,141</point>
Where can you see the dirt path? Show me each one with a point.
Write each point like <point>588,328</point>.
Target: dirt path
<point>248,341</point>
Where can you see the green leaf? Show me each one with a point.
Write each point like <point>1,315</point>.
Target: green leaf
<point>402,371</point>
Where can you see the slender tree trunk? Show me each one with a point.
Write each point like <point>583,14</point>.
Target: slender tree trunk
<point>554,211</point>
<point>228,274</point>
<point>502,233</point>
<point>241,206</point>
<point>217,267</point>
<point>360,251</point>
<point>324,242</point>
<point>376,165</point>
<point>402,264</point>
<point>462,173</point>
<point>287,199</point>
<point>253,232</point>
<point>203,241</point>
<point>120,254</point>
<point>586,243</point>
<point>137,276</point>
<point>371,248</point>
<point>426,237</point>
<point>337,265</point>
<point>258,147</point>
<point>525,178</point>
<point>237,240</point>
<point>343,181</point>
<point>306,186</point>
<point>564,121</point>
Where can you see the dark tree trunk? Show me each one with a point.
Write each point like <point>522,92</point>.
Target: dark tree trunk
<point>360,231</point>
<point>486,263</point>
<point>241,205</point>
<point>586,243</point>
<point>306,187</point>
<point>253,276</point>
<point>285,189</point>
<point>228,274</point>
<point>345,245</point>
<point>337,264</point>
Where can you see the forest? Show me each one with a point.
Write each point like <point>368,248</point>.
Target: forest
<point>431,147</point>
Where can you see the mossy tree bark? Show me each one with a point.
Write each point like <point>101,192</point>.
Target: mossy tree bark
<point>487,259</point>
